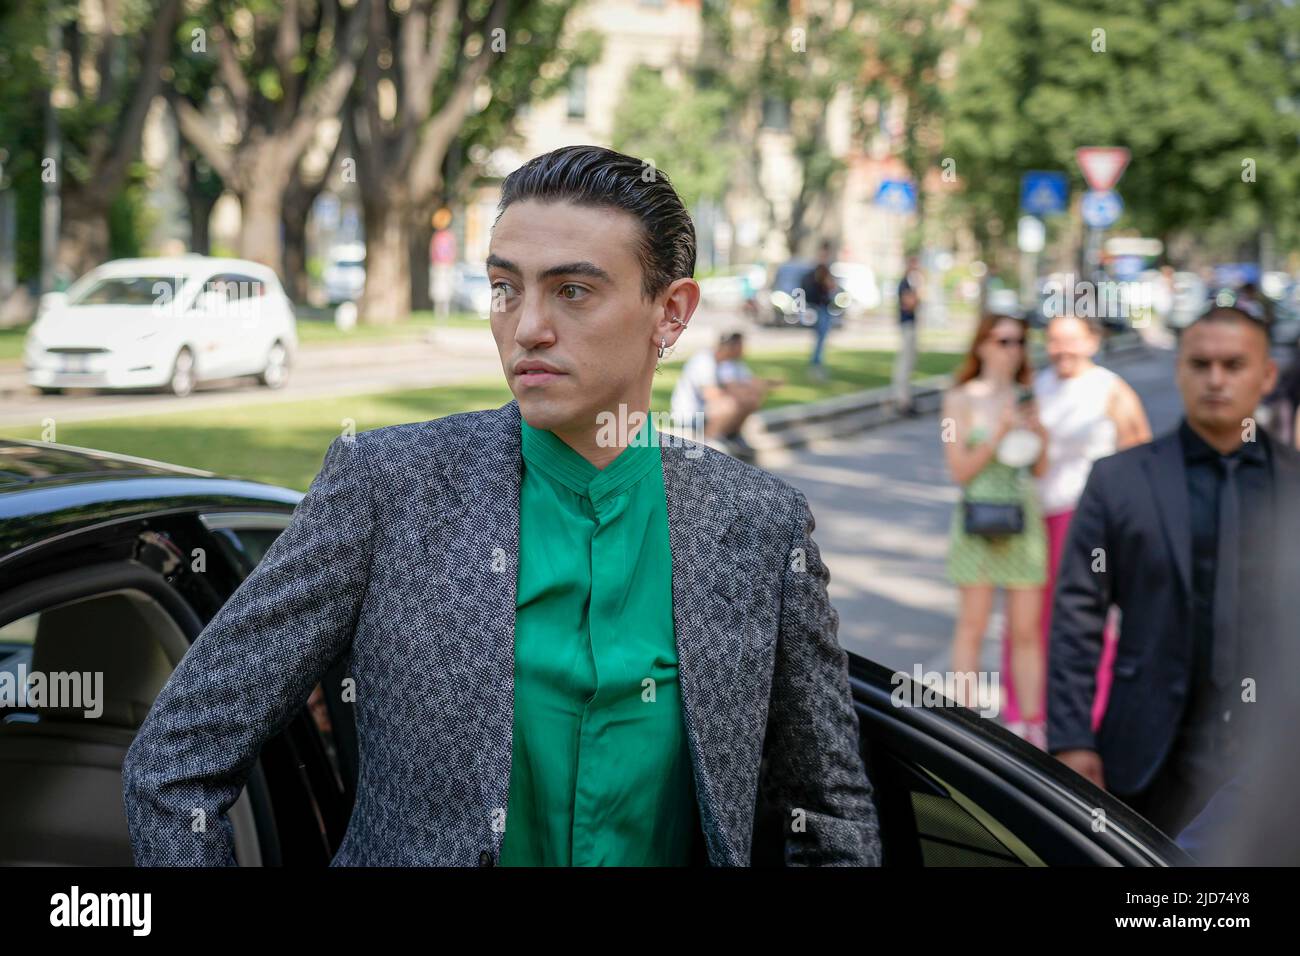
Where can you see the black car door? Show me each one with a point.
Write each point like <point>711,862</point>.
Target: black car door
<point>323,740</point>
<point>955,789</point>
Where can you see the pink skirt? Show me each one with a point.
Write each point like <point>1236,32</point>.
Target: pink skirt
<point>1057,526</point>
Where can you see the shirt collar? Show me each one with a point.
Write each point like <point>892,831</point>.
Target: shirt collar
<point>1196,448</point>
<point>549,453</point>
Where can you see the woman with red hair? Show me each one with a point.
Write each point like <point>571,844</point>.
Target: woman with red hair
<point>993,443</point>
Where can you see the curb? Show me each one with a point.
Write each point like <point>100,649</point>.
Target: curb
<point>796,426</point>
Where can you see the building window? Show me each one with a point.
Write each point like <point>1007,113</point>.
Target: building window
<point>776,113</point>
<point>578,93</point>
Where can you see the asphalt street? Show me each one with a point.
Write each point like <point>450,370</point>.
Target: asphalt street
<point>883,501</point>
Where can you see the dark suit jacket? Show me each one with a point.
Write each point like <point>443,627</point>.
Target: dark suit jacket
<point>403,555</point>
<point>1135,508</point>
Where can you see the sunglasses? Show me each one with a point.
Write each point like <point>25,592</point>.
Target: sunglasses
<point>1245,306</point>
<point>1010,342</point>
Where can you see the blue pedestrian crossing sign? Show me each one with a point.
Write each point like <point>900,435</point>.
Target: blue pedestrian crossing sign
<point>896,195</point>
<point>1044,194</point>
<point>1101,208</point>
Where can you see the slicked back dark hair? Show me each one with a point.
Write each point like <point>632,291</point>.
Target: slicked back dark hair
<point>603,178</point>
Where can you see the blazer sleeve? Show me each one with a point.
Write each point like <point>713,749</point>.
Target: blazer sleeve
<point>1079,608</point>
<point>815,770</point>
<point>250,671</point>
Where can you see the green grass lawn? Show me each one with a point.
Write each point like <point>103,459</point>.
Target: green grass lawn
<point>284,442</point>
<point>324,333</point>
<point>11,343</point>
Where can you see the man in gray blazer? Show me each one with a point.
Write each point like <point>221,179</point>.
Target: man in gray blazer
<point>406,556</point>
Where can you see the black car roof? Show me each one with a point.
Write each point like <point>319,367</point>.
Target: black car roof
<point>48,489</point>
<point>25,462</point>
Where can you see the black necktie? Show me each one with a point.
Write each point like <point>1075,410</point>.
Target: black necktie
<point>1227,576</point>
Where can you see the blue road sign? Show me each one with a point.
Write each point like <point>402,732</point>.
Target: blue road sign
<point>896,195</point>
<point>1044,194</point>
<point>1127,268</point>
<point>1101,209</point>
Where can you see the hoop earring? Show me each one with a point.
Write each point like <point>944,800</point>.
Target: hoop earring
<point>663,343</point>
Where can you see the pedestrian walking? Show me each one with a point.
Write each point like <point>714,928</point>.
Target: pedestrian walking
<point>819,292</point>
<point>996,539</point>
<point>1089,412</point>
<point>909,301</point>
<point>1186,536</point>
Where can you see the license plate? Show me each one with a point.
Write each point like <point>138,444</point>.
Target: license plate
<point>76,363</point>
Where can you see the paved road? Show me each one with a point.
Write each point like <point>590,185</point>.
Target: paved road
<point>451,356</point>
<point>883,502</point>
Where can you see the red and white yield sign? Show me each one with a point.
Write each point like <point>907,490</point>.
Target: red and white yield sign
<point>1102,165</point>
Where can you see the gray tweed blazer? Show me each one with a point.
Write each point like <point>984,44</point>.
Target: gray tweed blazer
<point>403,555</point>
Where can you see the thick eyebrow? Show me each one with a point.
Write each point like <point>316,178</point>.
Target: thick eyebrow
<point>588,269</point>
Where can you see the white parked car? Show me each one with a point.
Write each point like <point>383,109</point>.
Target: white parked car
<point>163,323</point>
<point>471,290</point>
<point>859,281</point>
<point>344,275</point>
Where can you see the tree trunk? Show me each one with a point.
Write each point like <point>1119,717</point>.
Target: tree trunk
<point>200,207</point>
<point>259,236</point>
<point>421,237</point>
<point>83,232</point>
<point>386,298</point>
<point>295,258</point>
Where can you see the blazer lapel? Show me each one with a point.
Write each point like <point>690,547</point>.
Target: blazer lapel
<point>711,647</point>
<point>1168,476</point>
<point>478,568</point>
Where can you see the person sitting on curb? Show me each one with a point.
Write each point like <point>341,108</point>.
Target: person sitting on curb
<point>717,392</point>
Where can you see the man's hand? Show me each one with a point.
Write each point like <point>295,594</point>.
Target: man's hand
<point>1086,763</point>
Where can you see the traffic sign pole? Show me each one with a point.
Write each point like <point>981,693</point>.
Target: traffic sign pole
<point>1102,168</point>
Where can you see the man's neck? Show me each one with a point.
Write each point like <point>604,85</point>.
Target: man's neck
<point>604,439</point>
<point>1224,442</point>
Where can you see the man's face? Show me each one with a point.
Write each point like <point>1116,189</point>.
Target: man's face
<point>1070,343</point>
<point>574,333</point>
<point>1224,371</point>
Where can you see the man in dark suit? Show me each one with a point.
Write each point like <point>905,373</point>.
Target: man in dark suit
<point>1192,536</point>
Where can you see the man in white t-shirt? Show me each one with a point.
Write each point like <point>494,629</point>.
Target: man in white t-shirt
<point>717,392</point>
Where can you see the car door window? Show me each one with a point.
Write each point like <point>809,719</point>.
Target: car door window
<point>953,830</point>
<point>951,789</point>
<point>244,539</point>
<point>89,669</point>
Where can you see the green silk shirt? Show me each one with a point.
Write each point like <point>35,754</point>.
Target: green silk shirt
<point>600,772</point>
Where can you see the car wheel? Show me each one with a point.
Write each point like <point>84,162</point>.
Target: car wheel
<point>44,390</point>
<point>276,371</point>
<point>181,382</point>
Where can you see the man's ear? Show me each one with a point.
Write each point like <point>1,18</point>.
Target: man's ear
<point>1270,375</point>
<point>680,302</point>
